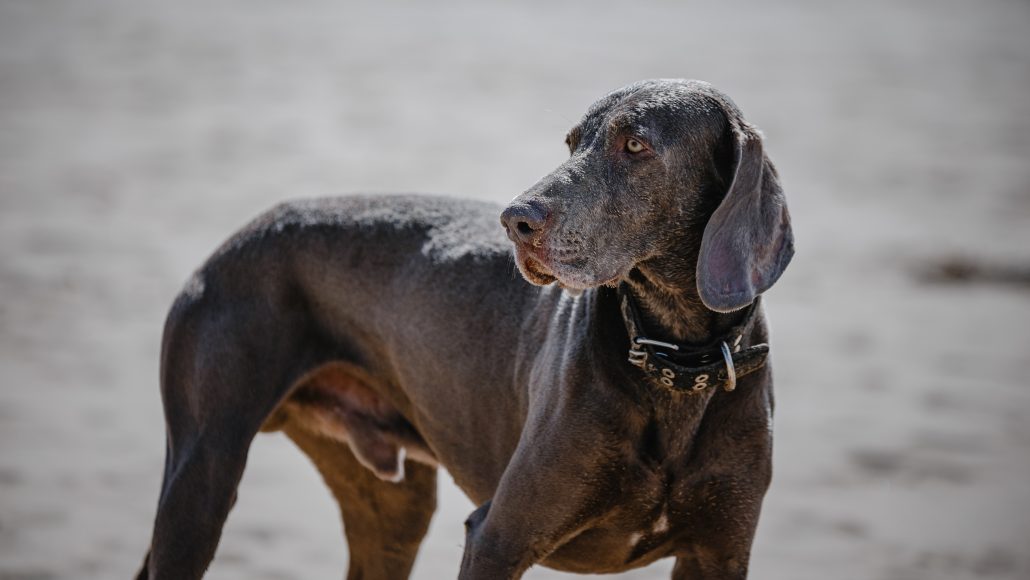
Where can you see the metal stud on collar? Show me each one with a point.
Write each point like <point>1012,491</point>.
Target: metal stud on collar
<point>700,383</point>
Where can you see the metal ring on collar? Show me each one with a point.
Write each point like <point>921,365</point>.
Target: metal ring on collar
<point>731,372</point>
<point>645,340</point>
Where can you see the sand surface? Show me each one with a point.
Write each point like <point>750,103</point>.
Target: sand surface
<point>135,136</point>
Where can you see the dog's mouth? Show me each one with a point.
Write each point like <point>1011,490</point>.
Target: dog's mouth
<point>570,274</point>
<point>533,268</point>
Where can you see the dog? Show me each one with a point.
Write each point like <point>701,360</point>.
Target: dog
<point>610,408</point>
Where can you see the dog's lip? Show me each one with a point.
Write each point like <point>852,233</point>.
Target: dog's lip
<point>539,267</point>
<point>534,267</point>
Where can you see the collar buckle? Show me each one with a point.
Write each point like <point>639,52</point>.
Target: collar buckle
<point>638,358</point>
<point>667,363</point>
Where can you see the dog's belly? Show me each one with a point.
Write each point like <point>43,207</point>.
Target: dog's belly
<point>341,402</point>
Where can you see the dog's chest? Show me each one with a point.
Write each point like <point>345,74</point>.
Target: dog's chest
<point>665,496</point>
<point>617,550</point>
<point>648,521</point>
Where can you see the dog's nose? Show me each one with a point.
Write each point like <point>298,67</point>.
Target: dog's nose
<point>525,222</point>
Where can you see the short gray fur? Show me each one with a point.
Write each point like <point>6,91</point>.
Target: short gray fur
<point>522,391</point>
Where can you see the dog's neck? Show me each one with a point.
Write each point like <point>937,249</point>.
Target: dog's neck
<point>673,310</point>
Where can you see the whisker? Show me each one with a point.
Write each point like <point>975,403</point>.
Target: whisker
<point>560,116</point>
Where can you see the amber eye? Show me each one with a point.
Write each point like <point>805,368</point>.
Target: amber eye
<point>634,146</point>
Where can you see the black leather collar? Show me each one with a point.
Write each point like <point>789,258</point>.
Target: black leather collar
<point>691,369</point>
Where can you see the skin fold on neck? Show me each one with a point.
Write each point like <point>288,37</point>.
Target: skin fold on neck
<point>672,309</point>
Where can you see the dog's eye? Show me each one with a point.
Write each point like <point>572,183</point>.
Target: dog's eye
<point>634,146</point>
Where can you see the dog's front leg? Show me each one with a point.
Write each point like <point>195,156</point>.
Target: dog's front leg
<point>491,553</point>
<point>710,566</point>
<point>546,496</point>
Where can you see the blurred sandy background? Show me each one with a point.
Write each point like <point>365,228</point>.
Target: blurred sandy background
<point>135,136</point>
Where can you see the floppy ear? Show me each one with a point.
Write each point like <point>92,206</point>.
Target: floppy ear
<point>748,241</point>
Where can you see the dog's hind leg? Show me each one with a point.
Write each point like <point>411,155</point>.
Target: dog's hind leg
<point>225,366</point>
<point>384,522</point>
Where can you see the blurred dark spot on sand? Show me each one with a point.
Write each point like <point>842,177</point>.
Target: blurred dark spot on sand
<point>940,401</point>
<point>934,441</point>
<point>855,342</point>
<point>909,466</point>
<point>851,528</point>
<point>969,270</point>
<point>9,477</point>
<point>995,562</point>
<point>878,462</point>
<point>26,575</point>
<point>874,379</point>
<point>233,556</point>
<point>991,563</point>
<point>261,535</point>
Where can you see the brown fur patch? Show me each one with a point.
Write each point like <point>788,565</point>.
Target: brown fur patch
<point>341,401</point>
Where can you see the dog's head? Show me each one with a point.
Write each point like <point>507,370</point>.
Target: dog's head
<point>657,169</point>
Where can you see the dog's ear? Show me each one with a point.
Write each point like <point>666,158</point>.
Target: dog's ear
<point>748,241</point>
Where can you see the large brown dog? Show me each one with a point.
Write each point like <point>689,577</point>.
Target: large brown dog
<point>614,412</point>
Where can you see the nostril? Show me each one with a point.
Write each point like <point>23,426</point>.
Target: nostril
<point>525,222</point>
